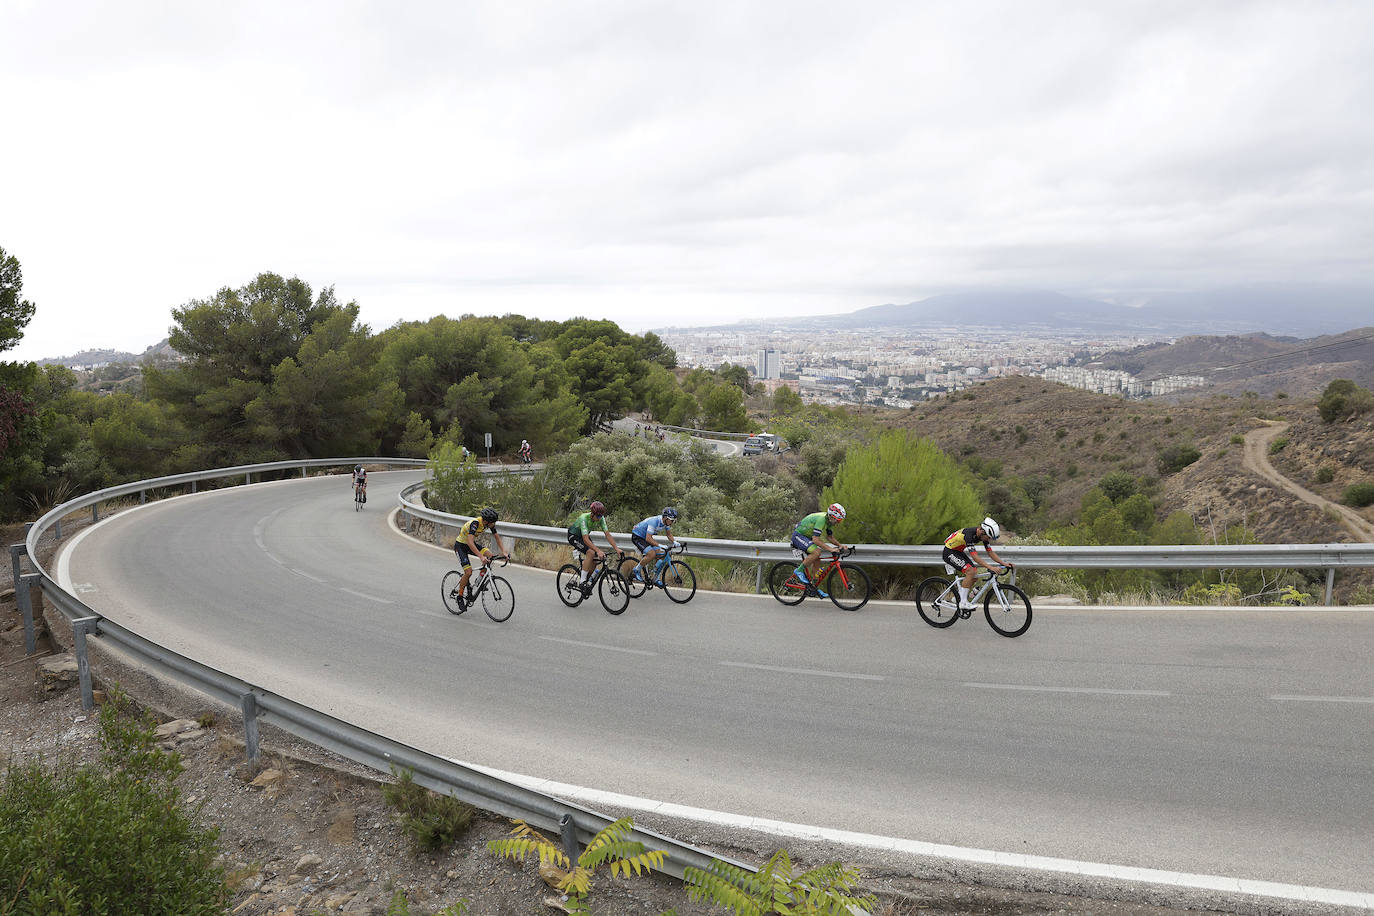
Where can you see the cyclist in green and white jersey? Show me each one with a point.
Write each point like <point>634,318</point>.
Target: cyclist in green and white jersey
<point>811,534</point>
<point>580,537</point>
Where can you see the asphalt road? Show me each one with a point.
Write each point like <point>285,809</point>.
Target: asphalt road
<point>1228,742</point>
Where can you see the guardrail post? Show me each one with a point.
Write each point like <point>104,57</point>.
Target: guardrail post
<point>17,553</point>
<point>80,627</point>
<point>567,832</point>
<point>758,578</point>
<point>249,704</point>
<point>1330,583</point>
<point>57,530</point>
<point>193,486</point>
<point>142,497</point>
<point>95,513</point>
<point>23,594</point>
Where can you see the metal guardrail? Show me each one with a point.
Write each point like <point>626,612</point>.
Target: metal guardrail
<point>1184,556</point>
<point>573,823</point>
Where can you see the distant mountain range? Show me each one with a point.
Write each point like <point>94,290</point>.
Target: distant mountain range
<point>104,357</point>
<point>1297,310</point>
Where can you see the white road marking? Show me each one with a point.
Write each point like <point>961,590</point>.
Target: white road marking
<point>368,597</point>
<point>597,645</point>
<point>306,575</point>
<point>1297,699</point>
<point>1106,690</point>
<point>813,671</point>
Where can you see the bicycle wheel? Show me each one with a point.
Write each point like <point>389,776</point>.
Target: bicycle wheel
<point>937,601</point>
<point>679,582</point>
<point>449,590</point>
<point>635,586</point>
<point>614,593</point>
<point>357,501</point>
<point>1009,615</point>
<point>568,583</point>
<point>498,599</point>
<point>848,587</point>
<point>785,585</point>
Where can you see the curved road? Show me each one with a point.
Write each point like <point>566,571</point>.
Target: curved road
<point>1228,742</point>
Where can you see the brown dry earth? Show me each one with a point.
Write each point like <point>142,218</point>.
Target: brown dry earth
<point>305,832</point>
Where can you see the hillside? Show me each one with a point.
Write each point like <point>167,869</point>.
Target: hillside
<point>1070,439</point>
<point>1260,363</point>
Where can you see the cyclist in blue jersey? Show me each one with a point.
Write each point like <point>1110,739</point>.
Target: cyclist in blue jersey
<point>812,533</point>
<point>645,537</point>
<point>580,537</point>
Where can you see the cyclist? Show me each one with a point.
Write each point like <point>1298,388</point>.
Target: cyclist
<point>812,533</point>
<point>961,553</point>
<point>360,481</point>
<point>466,545</point>
<point>580,537</point>
<point>643,537</point>
<point>525,451</point>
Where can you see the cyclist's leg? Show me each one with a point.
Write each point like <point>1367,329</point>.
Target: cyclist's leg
<point>812,562</point>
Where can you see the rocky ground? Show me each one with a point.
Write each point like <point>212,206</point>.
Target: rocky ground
<point>306,833</point>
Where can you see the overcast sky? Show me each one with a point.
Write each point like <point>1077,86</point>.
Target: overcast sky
<point>664,163</point>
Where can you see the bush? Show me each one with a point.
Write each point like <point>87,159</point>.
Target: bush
<point>1325,474</point>
<point>432,821</point>
<point>1176,457</point>
<point>1358,495</point>
<point>108,838</point>
<point>1344,400</point>
<point>1278,445</point>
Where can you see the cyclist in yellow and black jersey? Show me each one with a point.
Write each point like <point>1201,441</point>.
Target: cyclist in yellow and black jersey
<point>961,553</point>
<point>466,545</point>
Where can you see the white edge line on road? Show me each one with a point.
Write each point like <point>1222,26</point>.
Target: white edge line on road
<point>368,597</point>
<point>306,575</point>
<point>1316,699</point>
<point>813,671</point>
<point>1033,689</point>
<point>1187,880</point>
<point>597,645</point>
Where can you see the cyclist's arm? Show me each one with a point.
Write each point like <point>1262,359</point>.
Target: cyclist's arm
<point>500,544</point>
<point>992,554</point>
<point>611,538</point>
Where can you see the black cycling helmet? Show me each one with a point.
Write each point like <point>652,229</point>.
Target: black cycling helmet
<point>670,513</point>
<point>597,508</point>
<point>489,515</point>
<point>357,468</point>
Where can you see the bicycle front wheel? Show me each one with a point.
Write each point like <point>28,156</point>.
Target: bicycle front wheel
<point>568,582</point>
<point>614,593</point>
<point>1007,609</point>
<point>937,602</point>
<point>679,582</point>
<point>449,589</point>
<point>848,587</point>
<point>636,587</point>
<point>785,585</point>
<point>498,599</point>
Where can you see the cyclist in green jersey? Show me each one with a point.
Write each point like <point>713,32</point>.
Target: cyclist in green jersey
<point>811,534</point>
<point>580,537</point>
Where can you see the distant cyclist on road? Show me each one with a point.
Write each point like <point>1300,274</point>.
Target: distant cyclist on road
<point>360,481</point>
<point>580,537</point>
<point>466,545</point>
<point>961,553</point>
<point>645,534</point>
<point>812,533</point>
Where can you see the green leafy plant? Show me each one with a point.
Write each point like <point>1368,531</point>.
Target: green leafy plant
<point>1325,474</point>
<point>1358,495</point>
<point>432,821</point>
<point>610,848</point>
<point>400,906</point>
<point>778,888</point>
<point>1278,445</point>
<point>1291,595</point>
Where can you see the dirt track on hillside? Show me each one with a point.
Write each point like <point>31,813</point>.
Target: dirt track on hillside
<point>1257,459</point>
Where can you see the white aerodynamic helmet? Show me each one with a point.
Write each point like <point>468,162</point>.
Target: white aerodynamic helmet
<point>991,530</point>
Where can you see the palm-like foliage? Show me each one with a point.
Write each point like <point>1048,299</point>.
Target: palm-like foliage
<point>611,847</point>
<point>778,889</point>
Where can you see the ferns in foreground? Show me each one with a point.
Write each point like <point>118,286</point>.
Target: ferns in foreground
<point>611,847</point>
<point>776,888</point>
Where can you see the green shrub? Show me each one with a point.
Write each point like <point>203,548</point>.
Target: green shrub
<point>1237,439</point>
<point>1176,457</point>
<point>110,838</point>
<point>1325,474</point>
<point>1358,495</point>
<point>1344,400</point>
<point>432,821</point>
<point>1278,445</point>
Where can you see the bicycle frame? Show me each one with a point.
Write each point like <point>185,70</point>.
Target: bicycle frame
<point>1006,607</point>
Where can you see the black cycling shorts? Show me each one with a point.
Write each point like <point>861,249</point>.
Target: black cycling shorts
<point>643,544</point>
<point>956,558</point>
<point>575,539</point>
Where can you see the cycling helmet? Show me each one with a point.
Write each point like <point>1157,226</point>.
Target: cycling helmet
<point>357,468</point>
<point>597,509</point>
<point>991,530</point>
<point>489,515</point>
<point>835,513</point>
<point>670,513</point>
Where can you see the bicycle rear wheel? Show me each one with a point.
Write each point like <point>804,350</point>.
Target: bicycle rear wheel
<point>449,589</point>
<point>614,593</point>
<point>498,599</point>
<point>1007,609</point>
<point>848,587</point>
<point>784,584</point>
<point>568,584</point>
<point>636,587</point>
<point>937,602</point>
<point>679,582</point>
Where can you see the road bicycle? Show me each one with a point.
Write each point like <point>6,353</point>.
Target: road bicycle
<point>848,586</point>
<point>605,580</point>
<point>674,576</point>
<point>493,591</point>
<point>359,496</point>
<point>1006,607</point>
